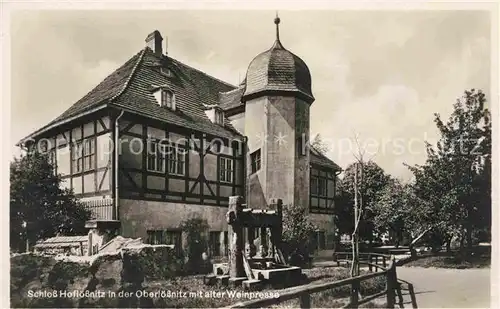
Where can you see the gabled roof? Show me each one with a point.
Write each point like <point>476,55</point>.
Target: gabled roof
<point>129,88</point>
<point>320,159</point>
<point>109,88</point>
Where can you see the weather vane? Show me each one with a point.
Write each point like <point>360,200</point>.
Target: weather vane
<point>277,22</point>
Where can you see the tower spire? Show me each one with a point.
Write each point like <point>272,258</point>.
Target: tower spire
<point>277,22</point>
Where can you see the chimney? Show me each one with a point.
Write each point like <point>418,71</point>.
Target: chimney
<point>154,41</point>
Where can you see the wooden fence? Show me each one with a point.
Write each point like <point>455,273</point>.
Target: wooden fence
<point>101,209</point>
<point>387,269</point>
<point>371,260</point>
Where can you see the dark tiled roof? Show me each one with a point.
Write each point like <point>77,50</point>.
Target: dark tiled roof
<point>278,69</point>
<point>192,89</point>
<point>130,87</point>
<point>231,99</point>
<point>320,159</point>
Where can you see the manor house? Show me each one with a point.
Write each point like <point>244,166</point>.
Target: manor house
<point>158,142</point>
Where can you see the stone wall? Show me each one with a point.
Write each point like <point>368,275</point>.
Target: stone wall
<point>139,216</point>
<point>324,223</point>
<point>95,279</point>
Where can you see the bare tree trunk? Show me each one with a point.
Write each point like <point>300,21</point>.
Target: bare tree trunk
<point>414,241</point>
<point>462,242</point>
<point>354,239</point>
<point>355,252</point>
<point>469,240</point>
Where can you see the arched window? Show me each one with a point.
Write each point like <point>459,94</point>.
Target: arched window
<point>168,99</point>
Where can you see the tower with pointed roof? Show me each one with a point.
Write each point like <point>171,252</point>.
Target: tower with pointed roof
<point>277,97</point>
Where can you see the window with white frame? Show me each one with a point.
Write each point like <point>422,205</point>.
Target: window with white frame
<point>84,155</point>
<point>176,160</point>
<point>226,168</point>
<point>168,99</point>
<point>156,157</point>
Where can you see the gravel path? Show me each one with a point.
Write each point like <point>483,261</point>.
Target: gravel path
<point>448,288</point>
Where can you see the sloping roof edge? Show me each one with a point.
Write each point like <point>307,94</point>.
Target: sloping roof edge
<point>231,132</point>
<point>132,74</point>
<point>330,162</point>
<point>52,125</point>
<point>98,106</point>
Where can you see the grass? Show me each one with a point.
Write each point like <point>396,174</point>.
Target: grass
<point>326,299</point>
<point>450,260</point>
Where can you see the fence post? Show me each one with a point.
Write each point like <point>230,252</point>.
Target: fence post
<point>412,295</point>
<point>235,230</point>
<point>383,261</point>
<point>354,294</point>
<point>369,262</point>
<point>391,284</point>
<point>397,285</point>
<point>305,300</point>
<point>400,294</point>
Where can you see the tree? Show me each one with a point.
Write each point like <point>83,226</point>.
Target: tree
<point>374,179</point>
<point>456,177</point>
<point>390,209</point>
<point>39,207</point>
<point>344,209</point>
<point>320,145</point>
<point>398,209</point>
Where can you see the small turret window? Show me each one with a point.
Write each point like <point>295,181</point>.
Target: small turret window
<point>255,160</point>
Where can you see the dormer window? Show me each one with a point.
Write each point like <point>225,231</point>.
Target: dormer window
<point>167,99</point>
<point>219,116</point>
<point>165,71</point>
<point>214,113</point>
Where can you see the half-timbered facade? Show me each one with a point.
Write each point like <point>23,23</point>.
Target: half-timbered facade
<point>158,142</point>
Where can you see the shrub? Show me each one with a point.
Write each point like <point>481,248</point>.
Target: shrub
<point>196,231</point>
<point>297,230</point>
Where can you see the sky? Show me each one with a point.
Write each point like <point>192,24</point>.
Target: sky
<point>378,76</point>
